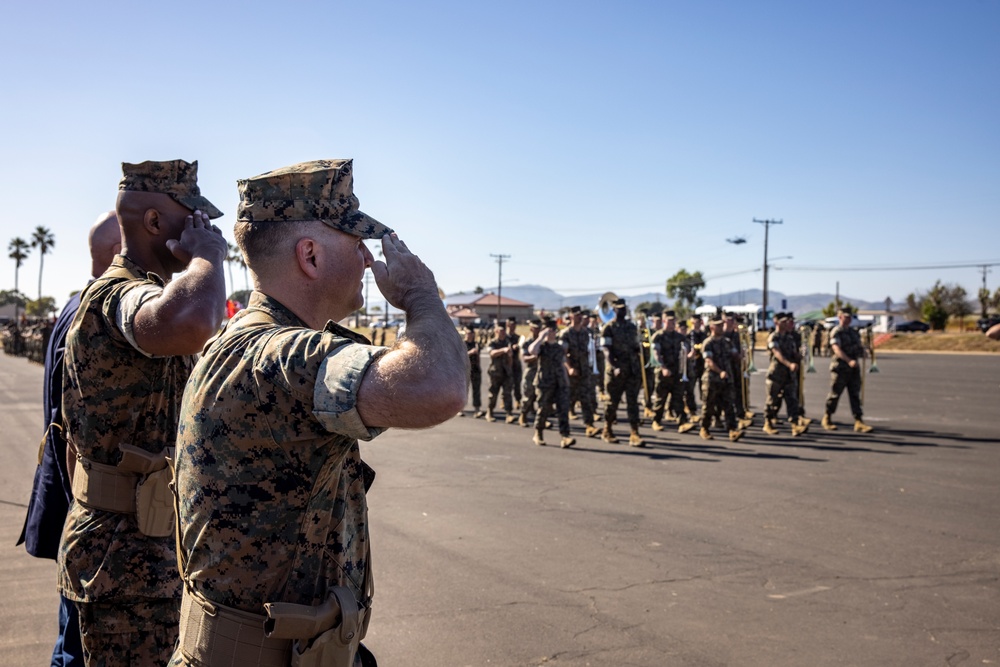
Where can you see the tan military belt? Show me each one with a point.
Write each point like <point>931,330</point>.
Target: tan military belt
<point>213,635</point>
<point>104,487</point>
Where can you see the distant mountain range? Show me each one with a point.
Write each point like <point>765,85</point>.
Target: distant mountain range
<point>545,298</point>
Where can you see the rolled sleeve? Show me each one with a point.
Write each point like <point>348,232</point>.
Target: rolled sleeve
<point>129,305</point>
<point>335,397</point>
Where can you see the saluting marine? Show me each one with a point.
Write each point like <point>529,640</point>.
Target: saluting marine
<point>553,384</point>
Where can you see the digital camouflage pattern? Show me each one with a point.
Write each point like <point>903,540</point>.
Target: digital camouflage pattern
<point>269,476</point>
<point>320,190</point>
<point>142,632</point>
<point>553,387</point>
<point>842,376</point>
<point>669,391</point>
<point>114,394</point>
<point>501,374</point>
<point>621,340</point>
<point>781,382</point>
<point>579,346</point>
<point>718,391</point>
<point>176,178</point>
<point>475,373</point>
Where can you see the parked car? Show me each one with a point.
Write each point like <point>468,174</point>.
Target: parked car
<point>984,323</point>
<point>913,326</point>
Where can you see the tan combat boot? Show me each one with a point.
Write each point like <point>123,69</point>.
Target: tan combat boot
<point>608,435</point>
<point>735,435</point>
<point>705,435</point>
<point>634,440</point>
<point>510,419</point>
<point>769,427</point>
<point>827,424</point>
<point>745,423</point>
<point>592,431</point>
<point>567,441</point>
<point>522,420</point>
<point>657,426</point>
<point>538,439</point>
<point>489,416</point>
<point>685,427</point>
<point>862,427</point>
<point>801,426</point>
<point>479,414</point>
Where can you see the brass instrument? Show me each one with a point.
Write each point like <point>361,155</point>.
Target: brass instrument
<point>682,357</point>
<point>747,367</point>
<point>604,308</point>
<point>871,349</point>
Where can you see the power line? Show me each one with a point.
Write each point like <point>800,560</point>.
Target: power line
<point>924,267</point>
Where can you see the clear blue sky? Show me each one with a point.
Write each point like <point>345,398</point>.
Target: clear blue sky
<point>602,146</point>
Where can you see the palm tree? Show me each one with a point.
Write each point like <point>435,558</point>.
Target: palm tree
<point>19,250</point>
<point>44,240</point>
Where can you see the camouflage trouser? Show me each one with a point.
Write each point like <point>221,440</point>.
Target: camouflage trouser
<point>475,386</point>
<point>133,633</point>
<point>581,388</point>
<point>553,399</point>
<point>529,392</point>
<point>843,376</point>
<point>623,384</point>
<point>782,384</point>
<point>517,371</point>
<point>718,400</point>
<point>501,383</point>
<point>669,392</point>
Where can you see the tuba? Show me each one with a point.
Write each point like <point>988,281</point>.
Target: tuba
<point>604,308</point>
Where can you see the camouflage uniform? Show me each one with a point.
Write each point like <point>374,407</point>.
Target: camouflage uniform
<point>718,391</point>
<point>734,341</point>
<point>475,374</point>
<point>595,333</point>
<point>621,338</point>
<point>696,369</point>
<point>270,482</point>
<point>669,346</point>
<point>553,387</point>
<point>501,372</point>
<point>528,391</point>
<point>842,375</point>
<point>125,583</point>
<point>783,383</point>
<point>579,350</point>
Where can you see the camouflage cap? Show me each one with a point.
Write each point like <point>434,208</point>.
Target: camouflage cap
<point>175,178</point>
<point>318,190</point>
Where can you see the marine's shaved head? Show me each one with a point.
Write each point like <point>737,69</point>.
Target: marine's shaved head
<point>105,240</point>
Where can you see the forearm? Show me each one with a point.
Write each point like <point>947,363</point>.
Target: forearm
<point>186,314</point>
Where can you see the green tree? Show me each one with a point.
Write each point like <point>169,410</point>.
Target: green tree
<point>831,308</point>
<point>652,307</point>
<point>478,290</point>
<point>43,239</point>
<point>956,302</point>
<point>984,301</point>
<point>683,287</point>
<point>18,251</point>
<point>933,307</point>
<point>40,307</point>
<point>12,296</point>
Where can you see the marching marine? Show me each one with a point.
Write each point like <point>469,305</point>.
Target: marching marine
<point>783,377</point>
<point>717,383</point>
<point>670,352</point>
<point>845,371</point>
<point>501,372</point>
<point>580,365</point>
<point>620,340</point>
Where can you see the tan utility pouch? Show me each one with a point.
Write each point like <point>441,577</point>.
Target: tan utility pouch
<point>334,629</point>
<point>139,484</point>
<point>213,635</point>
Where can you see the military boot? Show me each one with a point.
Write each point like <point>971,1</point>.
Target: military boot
<point>489,416</point>
<point>862,427</point>
<point>804,421</point>
<point>801,426</point>
<point>634,439</point>
<point>479,414</point>
<point>745,423</point>
<point>657,426</point>
<point>827,424</point>
<point>523,420</point>
<point>769,427</point>
<point>685,427</point>
<point>608,435</point>
<point>510,419</point>
<point>538,439</point>
<point>567,441</point>
<point>592,431</point>
<point>735,435</point>
<point>705,435</point>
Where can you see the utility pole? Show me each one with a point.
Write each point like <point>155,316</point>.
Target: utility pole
<point>500,259</point>
<point>767,226</point>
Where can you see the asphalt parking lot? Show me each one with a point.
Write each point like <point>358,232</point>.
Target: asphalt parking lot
<point>828,549</point>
